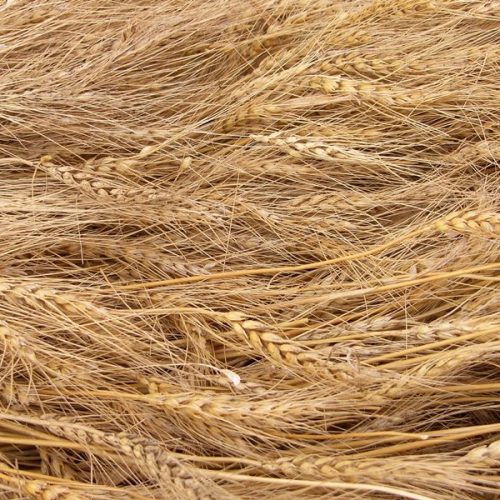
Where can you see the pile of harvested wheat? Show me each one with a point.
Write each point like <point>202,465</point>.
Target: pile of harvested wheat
<point>249,249</point>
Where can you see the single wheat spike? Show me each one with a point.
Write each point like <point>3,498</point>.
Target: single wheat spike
<point>283,351</point>
<point>249,114</point>
<point>351,36</point>
<point>170,265</point>
<point>109,165</point>
<point>113,167</point>
<point>374,324</point>
<point>453,361</point>
<point>284,59</point>
<point>275,34</point>
<point>159,463</point>
<point>343,469</point>
<point>17,343</point>
<point>486,455</point>
<point>43,490</point>
<point>20,347</point>
<point>302,147</point>
<point>384,94</point>
<point>277,80</point>
<point>16,394</point>
<point>437,330</point>
<point>446,364</point>
<point>224,407</point>
<point>359,63</point>
<point>387,9</point>
<point>36,295</point>
<point>471,222</point>
<point>482,150</point>
<point>441,330</point>
<point>327,201</point>
<point>51,464</point>
<point>138,255</point>
<point>93,186</point>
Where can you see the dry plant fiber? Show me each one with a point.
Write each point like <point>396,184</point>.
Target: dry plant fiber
<point>249,249</point>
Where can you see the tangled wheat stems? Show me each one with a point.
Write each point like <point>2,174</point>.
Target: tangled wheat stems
<point>249,251</point>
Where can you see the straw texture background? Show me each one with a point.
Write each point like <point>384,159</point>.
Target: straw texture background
<point>249,249</point>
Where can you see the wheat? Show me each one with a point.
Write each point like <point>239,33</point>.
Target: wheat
<point>300,147</point>
<point>390,7</point>
<point>13,393</point>
<point>472,222</point>
<point>52,465</point>
<point>350,470</point>
<point>246,415</point>
<point>34,356</point>
<point>154,460</point>
<point>37,296</point>
<point>39,489</point>
<point>248,115</point>
<point>282,351</point>
<point>91,185</point>
<point>486,455</point>
<point>249,249</point>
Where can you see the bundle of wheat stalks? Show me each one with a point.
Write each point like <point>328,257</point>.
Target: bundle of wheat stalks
<point>249,249</point>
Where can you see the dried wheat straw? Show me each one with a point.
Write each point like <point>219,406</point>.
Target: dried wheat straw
<point>249,249</point>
